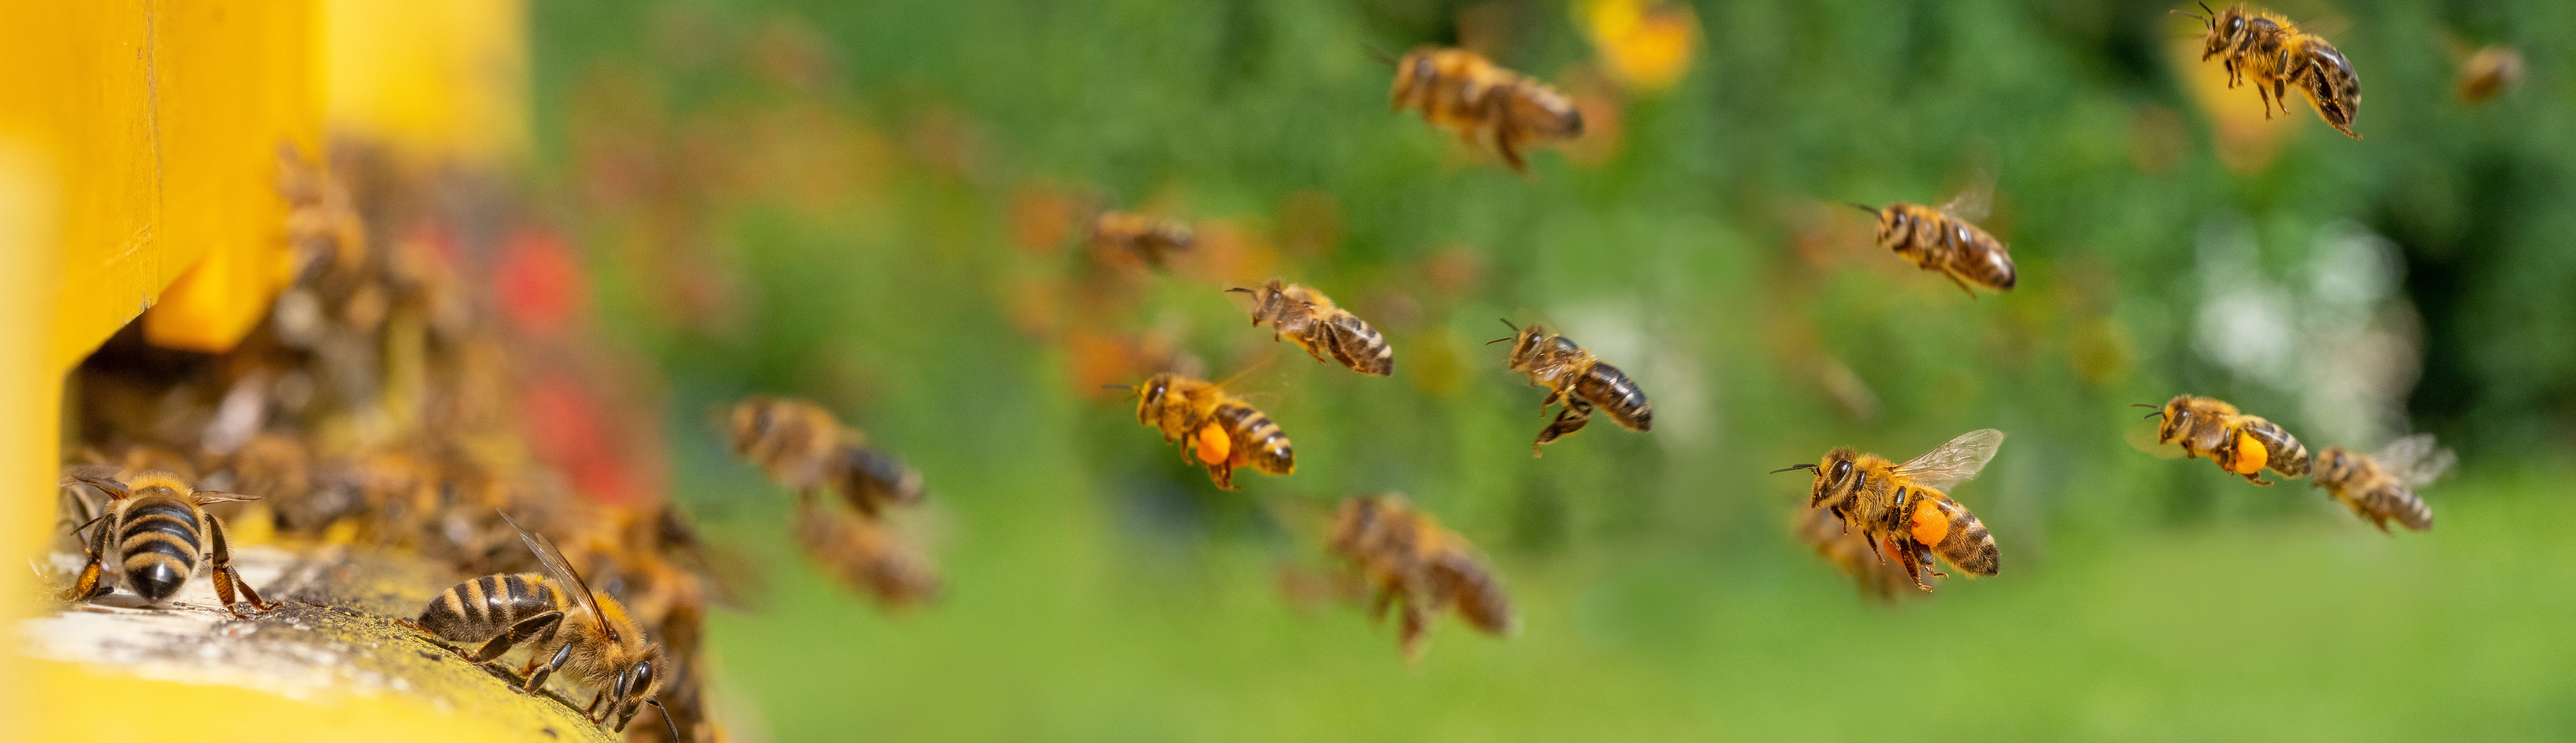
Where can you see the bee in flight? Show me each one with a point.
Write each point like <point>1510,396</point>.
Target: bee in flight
<point>866,554</point>
<point>1905,510</point>
<point>1484,103</point>
<point>152,536</point>
<point>1578,380</point>
<point>1308,318</point>
<point>1138,238</point>
<point>2239,443</point>
<point>1219,430</point>
<point>2381,487</point>
<point>566,626</point>
<point>1406,560</point>
<point>1946,240</point>
<point>803,447</point>
<point>2274,52</point>
<point>2491,70</point>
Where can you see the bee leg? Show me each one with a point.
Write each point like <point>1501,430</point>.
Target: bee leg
<point>589,712</point>
<point>227,577</point>
<point>537,680</point>
<point>526,628</point>
<point>1568,420</point>
<point>1409,632</point>
<point>1963,284</point>
<point>90,585</point>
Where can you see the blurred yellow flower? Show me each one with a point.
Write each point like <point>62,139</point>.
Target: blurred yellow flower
<point>1646,45</point>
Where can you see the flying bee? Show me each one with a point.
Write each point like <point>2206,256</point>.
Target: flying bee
<point>1408,561</point>
<point>1855,555</point>
<point>1578,380</point>
<point>2239,443</point>
<point>1946,241</point>
<point>1219,430</point>
<point>866,554</point>
<point>2491,70</point>
<point>1905,510</point>
<point>1483,103</point>
<point>151,536</point>
<point>2381,487</point>
<point>1132,237</point>
<point>1308,318</point>
<point>802,446</point>
<point>567,627</point>
<point>2274,52</point>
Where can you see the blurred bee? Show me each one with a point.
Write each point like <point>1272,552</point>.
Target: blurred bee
<point>2381,486</point>
<point>1578,380</point>
<point>152,535</point>
<point>1461,91</point>
<point>1308,318</point>
<point>2274,52</point>
<point>1904,510</point>
<point>866,554</point>
<point>803,447</point>
<point>1408,561</point>
<point>1855,555</point>
<point>1132,237</point>
<point>2239,443</point>
<point>1221,431</point>
<point>2491,70</point>
<point>567,627</point>
<point>1944,240</point>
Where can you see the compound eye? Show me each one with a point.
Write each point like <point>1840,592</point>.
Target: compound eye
<point>2235,24</point>
<point>1842,470</point>
<point>643,676</point>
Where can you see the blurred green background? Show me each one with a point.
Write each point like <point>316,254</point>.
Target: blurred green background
<point>877,205</point>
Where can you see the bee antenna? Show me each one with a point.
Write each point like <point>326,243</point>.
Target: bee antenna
<point>1118,386</point>
<point>1508,324</point>
<point>1793,467</point>
<point>1240,289</point>
<point>2157,414</point>
<point>666,716</point>
<point>2144,405</point>
<point>1863,207</point>
<point>1499,340</point>
<point>1381,55</point>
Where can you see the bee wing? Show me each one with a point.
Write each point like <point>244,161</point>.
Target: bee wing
<point>2142,437</point>
<point>1972,204</point>
<point>1955,462</point>
<point>2415,460</point>
<point>206,497</point>
<point>561,571</point>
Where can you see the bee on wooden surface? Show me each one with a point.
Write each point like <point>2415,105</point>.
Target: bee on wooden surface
<point>1219,430</point>
<point>1946,240</point>
<point>1407,561</point>
<point>1905,510</point>
<point>802,446</point>
<point>1854,554</point>
<point>566,626</point>
<point>1309,319</point>
<point>151,536</point>
<point>2239,443</point>
<point>2274,52</point>
<point>1573,377</point>
<point>2381,486</point>
<point>2491,70</point>
<point>866,554</point>
<point>1484,103</point>
<point>1129,237</point>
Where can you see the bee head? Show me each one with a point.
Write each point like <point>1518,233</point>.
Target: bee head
<point>2178,416</point>
<point>1414,72</point>
<point>2332,464</point>
<point>1832,474</point>
<point>1525,345</point>
<point>752,420</point>
<point>636,686</point>
<point>1151,393</point>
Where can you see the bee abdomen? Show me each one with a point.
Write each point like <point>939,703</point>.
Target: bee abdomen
<point>1611,390</point>
<point>2401,503</point>
<point>481,608</point>
<point>1969,546</point>
<point>1268,445</point>
<point>158,539</point>
<point>1359,346</point>
<point>871,478</point>
<point>2282,451</point>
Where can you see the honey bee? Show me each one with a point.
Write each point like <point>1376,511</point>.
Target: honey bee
<point>152,535</point>
<point>1483,103</point>
<point>1132,237</point>
<point>2491,70</point>
<point>1408,561</point>
<point>1904,510</point>
<point>1308,318</point>
<point>2274,52</point>
<point>1220,430</point>
<point>1578,380</point>
<point>866,554</point>
<point>1945,240</point>
<point>2239,443</point>
<point>566,625</point>
<point>2381,486</point>
<point>803,447</point>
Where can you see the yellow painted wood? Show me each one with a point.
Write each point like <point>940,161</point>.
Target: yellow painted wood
<point>436,80</point>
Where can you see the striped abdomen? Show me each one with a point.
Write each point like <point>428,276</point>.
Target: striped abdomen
<point>2390,499</point>
<point>1356,345</point>
<point>479,609</point>
<point>871,479</point>
<point>159,540</point>
<point>2327,78</point>
<point>2282,452</point>
<point>1610,390</point>
<point>1256,437</point>
<point>1949,529</point>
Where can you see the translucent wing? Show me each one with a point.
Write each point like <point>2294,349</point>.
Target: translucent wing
<point>2415,460</point>
<point>1972,203</point>
<point>2142,436</point>
<point>560,570</point>
<point>1955,462</point>
<point>210,497</point>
